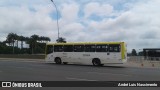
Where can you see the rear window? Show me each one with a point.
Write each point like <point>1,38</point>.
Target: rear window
<point>114,48</point>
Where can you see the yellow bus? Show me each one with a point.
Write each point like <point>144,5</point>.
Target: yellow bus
<point>95,53</point>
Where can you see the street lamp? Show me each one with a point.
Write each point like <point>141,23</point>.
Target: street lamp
<point>57,17</point>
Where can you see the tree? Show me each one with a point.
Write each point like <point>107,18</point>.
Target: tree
<point>134,53</point>
<point>7,42</point>
<point>16,39</point>
<point>47,39</point>
<point>22,39</point>
<point>61,40</point>
<point>36,43</point>
<point>41,39</point>
<point>33,42</point>
<point>44,39</point>
<point>11,39</point>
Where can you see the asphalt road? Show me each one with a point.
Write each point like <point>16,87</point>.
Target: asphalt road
<point>31,70</point>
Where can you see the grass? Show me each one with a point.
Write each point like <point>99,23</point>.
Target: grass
<point>23,56</point>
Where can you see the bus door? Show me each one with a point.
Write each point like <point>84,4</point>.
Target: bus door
<point>114,53</point>
<point>49,53</point>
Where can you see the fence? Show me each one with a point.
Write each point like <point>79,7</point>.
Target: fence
<point>144,61</point>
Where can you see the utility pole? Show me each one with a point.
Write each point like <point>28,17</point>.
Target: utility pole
<point>57,18</point>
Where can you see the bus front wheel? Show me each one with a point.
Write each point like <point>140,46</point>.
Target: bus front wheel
<point>58,60</point>
<point>96,62</point>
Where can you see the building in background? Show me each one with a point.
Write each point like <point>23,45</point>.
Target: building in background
<point>151,54</point>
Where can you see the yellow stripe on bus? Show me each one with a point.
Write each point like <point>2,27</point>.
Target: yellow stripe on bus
<point>86,43</point>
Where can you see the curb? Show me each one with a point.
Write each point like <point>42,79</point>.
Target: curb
<point>20,59</point>
<point>142,65</point>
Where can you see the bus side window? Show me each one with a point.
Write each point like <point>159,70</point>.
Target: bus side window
<point>78,48</point>
<point>90,48</point>
<point>114,48</point>
<point>68,48</point>
<point>101,48</point>
<point>49,49</point>
<point>58,48</point>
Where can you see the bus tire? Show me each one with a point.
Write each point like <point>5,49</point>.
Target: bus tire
<point>102,65</point>
<point>65,62</point>
<point>96,62</point>
<point>58,60</point>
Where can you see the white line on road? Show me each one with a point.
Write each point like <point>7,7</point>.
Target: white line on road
<point>108,73</point>
<point>80,79</point>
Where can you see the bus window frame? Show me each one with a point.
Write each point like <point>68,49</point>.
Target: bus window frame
<point>101,49</point>
<point>78,50</point>
<point>90,50</point>
<point>49,52</point>
<point>62,49</point>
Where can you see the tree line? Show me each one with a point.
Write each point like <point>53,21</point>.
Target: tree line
<point>36,44</point>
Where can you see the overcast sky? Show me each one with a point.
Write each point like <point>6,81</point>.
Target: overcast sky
<point>136,22</point>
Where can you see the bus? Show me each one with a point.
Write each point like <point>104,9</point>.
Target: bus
<point>94,53</point>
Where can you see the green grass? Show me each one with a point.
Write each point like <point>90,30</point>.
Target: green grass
<point>23,56</point>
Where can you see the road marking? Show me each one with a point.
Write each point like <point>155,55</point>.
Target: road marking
<point>109,73</point>
<point>0,71</point>
<point>80,79</point>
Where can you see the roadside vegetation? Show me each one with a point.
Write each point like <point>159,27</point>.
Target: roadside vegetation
<point>18,44</point>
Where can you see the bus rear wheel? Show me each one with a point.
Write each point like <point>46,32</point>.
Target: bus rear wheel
<point>58,60</point>
<point>65,62</point>
<point>96,62</point>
